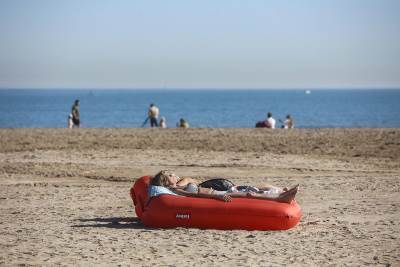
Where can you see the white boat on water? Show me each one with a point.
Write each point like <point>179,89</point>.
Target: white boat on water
<point>307,92</point>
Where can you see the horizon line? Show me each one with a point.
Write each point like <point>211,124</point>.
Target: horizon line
<point>204,88</point>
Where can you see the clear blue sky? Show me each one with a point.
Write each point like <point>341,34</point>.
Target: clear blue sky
<point>199,44</point>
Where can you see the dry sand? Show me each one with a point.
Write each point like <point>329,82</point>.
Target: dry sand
<point>64,196</point>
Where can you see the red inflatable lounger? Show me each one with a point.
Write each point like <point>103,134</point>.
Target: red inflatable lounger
<point>168,211</point>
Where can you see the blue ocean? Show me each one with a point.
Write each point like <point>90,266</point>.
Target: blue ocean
<point>45,108</point>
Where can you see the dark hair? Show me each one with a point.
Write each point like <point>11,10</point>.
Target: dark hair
<point>77,102</point>
<point>269,115</point>
<point>160,179</point>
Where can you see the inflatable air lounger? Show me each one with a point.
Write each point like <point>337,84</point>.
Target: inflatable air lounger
<point>169,211</point>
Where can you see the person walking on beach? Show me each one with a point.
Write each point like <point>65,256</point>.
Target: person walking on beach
<point>153,115</point>
<point>75,114</point>
<point>271,120</point>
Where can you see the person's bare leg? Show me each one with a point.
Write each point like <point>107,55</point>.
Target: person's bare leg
<point>266,187</point>
<point>285,197</point>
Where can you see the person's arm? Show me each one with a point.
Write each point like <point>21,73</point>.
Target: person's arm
<point>182,192</point>
<point>237,194</point>
<point>251,195</point>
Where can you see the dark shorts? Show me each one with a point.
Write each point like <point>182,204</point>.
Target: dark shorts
<point>153,122</point>
<point>76,121</point>
<point>218,184</point>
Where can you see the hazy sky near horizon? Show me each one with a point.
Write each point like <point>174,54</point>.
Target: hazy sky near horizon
<point>199,44</point>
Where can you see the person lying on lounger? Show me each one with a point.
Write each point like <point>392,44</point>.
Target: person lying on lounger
<point>166,182</point>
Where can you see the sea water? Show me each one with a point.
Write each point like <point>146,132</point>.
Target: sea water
<point>49,108</point>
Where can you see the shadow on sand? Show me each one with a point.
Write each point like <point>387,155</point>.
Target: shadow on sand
<point>112,222</point>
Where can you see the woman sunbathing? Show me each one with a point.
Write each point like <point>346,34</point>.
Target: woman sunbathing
<point>166,182</point>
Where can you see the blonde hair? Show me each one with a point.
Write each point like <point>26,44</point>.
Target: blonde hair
<point>161,178</point>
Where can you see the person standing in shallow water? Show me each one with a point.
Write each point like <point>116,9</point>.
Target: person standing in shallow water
<point>75,114</point>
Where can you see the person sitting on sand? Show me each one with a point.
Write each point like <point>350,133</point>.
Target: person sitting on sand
<point>163,122</point>
<point>288,123</point>
<point>70,122</point>
<point>271,120</point>
<point>166,182</point>
<point>182,123</point>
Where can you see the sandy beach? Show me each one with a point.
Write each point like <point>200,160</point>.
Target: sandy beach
<point>64,196</point>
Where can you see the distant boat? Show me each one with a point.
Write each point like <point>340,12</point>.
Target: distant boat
<point>307,92</point>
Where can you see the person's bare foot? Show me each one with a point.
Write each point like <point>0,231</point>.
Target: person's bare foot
<point>289,195</point>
